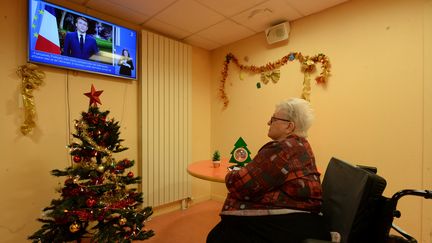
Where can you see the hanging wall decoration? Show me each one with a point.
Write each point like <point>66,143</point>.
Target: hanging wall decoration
<point>31,78</point>
<point>271,72</point>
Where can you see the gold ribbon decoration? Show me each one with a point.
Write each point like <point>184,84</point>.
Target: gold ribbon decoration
<point>306,87</point>
<point>270,71</point>
<point>31,78</point>
<point>307,67</point>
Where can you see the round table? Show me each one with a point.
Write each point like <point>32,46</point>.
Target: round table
<point>204,169</point>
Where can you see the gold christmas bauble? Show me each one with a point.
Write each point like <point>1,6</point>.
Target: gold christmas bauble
<point>101,168</point>
<point>74,227</point>
<point>123,221</point>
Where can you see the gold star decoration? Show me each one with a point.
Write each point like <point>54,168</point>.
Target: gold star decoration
<point>94,96</point>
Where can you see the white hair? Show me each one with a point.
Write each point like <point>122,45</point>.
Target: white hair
<point>298,111</point>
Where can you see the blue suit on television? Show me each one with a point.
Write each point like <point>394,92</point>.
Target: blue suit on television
<point>72,46</point>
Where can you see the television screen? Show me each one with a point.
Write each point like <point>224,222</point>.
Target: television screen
<point>65,38</point>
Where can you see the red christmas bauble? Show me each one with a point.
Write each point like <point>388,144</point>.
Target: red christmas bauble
<point>130,174</point>
<point>70,192</point>
<point>90,202</point>
<point>77,159</point>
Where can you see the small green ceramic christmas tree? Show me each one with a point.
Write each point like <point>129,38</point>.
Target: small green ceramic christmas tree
<point>240,154</point>
<point>96,199</point>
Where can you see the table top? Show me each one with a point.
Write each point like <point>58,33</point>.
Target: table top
<point>204,169</point>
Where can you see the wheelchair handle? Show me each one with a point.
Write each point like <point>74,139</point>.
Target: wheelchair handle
<point>427,194</point>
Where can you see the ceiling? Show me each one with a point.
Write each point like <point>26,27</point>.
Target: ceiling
<point>208,24</point>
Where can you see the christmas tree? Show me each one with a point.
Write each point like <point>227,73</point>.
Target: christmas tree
<point>97,200</point>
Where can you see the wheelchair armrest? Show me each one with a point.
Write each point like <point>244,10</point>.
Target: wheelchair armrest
<point>427,194</point>
<point>408,237</point>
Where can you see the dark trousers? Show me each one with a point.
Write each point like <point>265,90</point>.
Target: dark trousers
<point>286,228</point>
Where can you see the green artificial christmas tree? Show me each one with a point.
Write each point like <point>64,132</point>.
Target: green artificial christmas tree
<point>96,201</point>
<point>240,153</point>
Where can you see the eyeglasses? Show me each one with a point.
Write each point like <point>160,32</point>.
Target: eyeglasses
<point>272,119</point>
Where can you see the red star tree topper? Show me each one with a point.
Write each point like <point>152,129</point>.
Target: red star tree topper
<point>94,96</point>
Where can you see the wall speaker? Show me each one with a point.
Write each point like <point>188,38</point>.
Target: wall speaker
<point>277,33</point>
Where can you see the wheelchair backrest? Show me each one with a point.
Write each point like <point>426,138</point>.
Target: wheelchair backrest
<point>352,201</point>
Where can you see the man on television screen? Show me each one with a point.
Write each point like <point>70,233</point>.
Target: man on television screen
<point>79,44</point>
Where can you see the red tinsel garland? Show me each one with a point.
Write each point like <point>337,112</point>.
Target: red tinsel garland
<point>308,66</point>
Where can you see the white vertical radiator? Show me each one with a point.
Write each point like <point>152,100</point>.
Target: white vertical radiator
<point>166,119</point>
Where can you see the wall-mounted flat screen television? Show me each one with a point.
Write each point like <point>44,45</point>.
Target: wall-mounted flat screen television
<point>61,37</point>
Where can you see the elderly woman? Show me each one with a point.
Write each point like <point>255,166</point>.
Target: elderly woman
<point>277,196</point>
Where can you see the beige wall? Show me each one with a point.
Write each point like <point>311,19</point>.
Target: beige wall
<point>201,67</point>
<point>373,110</point>
<point>427,122</point>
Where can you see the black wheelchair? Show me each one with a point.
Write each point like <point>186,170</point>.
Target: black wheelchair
<point>354,207</point>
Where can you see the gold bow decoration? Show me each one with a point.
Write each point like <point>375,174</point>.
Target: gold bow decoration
<point>271,71</point>
<point>31,78</point>
<point>274,76</point>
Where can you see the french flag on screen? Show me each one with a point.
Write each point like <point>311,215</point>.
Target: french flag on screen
<point>48,37</point>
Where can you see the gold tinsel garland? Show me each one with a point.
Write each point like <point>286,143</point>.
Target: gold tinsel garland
<point>270,70</point>
<point>82,127</point>
<point>32,78</point>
